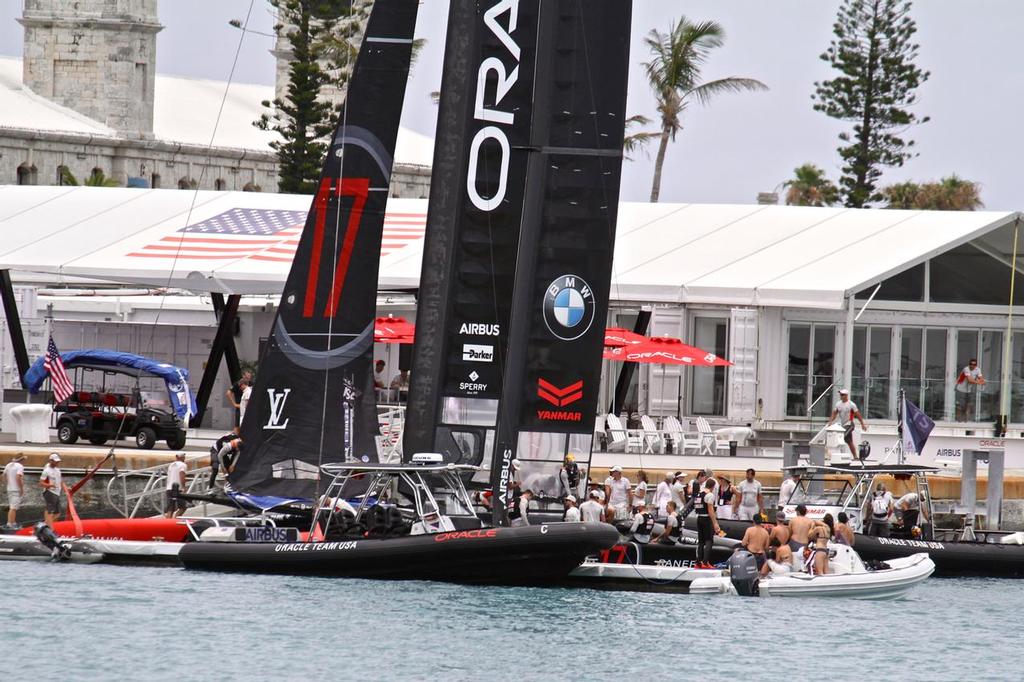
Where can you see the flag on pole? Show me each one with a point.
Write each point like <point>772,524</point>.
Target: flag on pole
<point>59,380</point>
<point>916,427</point>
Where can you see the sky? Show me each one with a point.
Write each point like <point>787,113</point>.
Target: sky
<point>741,144</point>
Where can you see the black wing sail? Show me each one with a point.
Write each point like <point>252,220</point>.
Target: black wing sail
<point>563,271</point>
<point>314,400</point>
<point>473,222</point>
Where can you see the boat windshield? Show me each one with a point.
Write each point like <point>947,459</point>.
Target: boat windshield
<point>826,492</point>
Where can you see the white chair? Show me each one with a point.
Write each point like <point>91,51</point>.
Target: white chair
<point>652,439</point>
<point>620,436</point>
<point>31,423</point>
<point>681,439</point>
<point>709,443</point>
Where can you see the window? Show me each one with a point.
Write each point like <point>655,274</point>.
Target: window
<point>186,183</point>
<point>708,383</point>
<point>978,403</point>
<point>96,175</point>
<point>811,368</point>
<point>923,369</point>
<point>966,275</point>
<point>154,180</point>
<point>27,174</point>
<point>905,286</point>
<point>63,175</point>
<point>872,358</point>
<point>220,185</point>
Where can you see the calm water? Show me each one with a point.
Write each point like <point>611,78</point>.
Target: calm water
<point>102,622</point>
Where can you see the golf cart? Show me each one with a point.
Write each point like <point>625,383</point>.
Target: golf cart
<point>127,400</point>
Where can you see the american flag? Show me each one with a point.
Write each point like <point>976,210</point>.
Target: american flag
<point>59,380</point>
<point>263,234</point>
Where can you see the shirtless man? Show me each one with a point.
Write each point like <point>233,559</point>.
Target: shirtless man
<point>755,540</point>
<point>781,561</point>
<point>780,531</point>
<point>799,528</point>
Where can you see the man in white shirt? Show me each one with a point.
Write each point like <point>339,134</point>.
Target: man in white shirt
<point>968,385</point>
<point>788,489</point>
<point>401,381</point>
<point>175,483</point>
<point>572,512</point>
<point>14,476</point>
<point>663,495</point>
<point>378,374</point>
<point>243,404</point>
<point>846,410</point>
<point>643,523</point>
<point>50,480</point>
<point>749,500</point>
<point>524,509</point>
<point>592,511</point>
<point>619,492</point>
<point>910,509</point>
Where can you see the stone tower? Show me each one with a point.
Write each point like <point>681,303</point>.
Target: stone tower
<point>97,57</point>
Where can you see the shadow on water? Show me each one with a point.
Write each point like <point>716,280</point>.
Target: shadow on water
<point>166,623</point>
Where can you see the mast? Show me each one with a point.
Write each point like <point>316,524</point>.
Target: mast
<point>563,272</point>
<point>314,399</point>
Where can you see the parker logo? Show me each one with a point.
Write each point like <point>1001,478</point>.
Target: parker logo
<point>479,329</point>
<point>559,397</point>
<point>277,401</point>
<point>476,353</point>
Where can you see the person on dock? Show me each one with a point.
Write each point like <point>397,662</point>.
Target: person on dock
<point>846,411</point>
<point>787,491</point>
<point>780,531</point>
<point>749,501</point>
<point>707,523</point>
<point>643,523</point>
<point>50,480</point>
<point>881,508</point>
<point>592,511</point>
<point>234,396</point>
<point>843,533</point>
<point>779,559</point>
<point>968,384</point>
<point>572,512</point>
<point>174,505</point>
<point>619,493</point>
<point>756,541</point>
<point>243,403</point>
<point>519,513</point>
<point>800,528</point>
<point>662,496</point>
<point>14,477</point>
<point>673,525</point>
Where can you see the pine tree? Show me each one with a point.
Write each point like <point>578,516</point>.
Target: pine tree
<point>876,86</point>
<point>305,117</point>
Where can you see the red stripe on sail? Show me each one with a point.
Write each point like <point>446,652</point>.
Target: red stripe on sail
<point>322,197</point>
<point>359,188</point>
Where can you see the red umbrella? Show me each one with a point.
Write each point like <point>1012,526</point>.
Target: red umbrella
<point>664,350</point>
<point>393,330</point>
<point>617,337</point>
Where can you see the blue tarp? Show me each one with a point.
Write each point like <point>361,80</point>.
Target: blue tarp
<point>176,378</point>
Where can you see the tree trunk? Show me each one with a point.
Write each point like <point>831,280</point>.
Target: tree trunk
<point>658,163</point>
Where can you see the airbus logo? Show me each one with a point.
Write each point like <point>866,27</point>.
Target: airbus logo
<point>479,329</point>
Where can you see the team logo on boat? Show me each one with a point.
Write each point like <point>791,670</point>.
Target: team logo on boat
<point>560,397</point>
<point>477,353</point>
<point>277,401</point>
<point>568,307</point>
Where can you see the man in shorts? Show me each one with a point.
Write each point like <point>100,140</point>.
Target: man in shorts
<point>846,411</point>
<point>620,494</point>
<point>14,476</point>
<point>750,501</point>
<point>50,480</point>
<point>174,505</point>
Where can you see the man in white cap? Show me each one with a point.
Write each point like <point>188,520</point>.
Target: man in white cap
<point>14,476</point>
<point>619,492</point>
<point>592,511</point>
<point>846,410</point>
<point>572,512</point>
<point>173,506</point>
<point>50,480</point>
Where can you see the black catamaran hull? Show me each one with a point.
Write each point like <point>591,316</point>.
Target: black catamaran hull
<point>952,559</point>
<point>528,555</point>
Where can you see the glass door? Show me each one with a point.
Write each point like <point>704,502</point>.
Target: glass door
<point>872,361</point>
<point>708,383</point>
<point>811,368</point>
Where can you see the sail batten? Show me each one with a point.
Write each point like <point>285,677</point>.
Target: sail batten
<point>314,400</point>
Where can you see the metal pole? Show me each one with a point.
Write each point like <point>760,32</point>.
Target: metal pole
<point>224,331</point>
<point>14,324</point>
<point>1006,379</point>
<point>848,346</point>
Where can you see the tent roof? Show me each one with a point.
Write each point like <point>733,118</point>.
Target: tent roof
<point>184,110</point>
<point>727,254</point>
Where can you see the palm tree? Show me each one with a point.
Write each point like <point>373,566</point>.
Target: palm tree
<point>948,194</point>
<point>638,141</point>
<point>810,187</point>
<point>674,73</point>
<point>96,179</point>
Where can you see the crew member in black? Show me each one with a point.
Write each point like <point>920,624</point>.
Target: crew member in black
<point>569,476</point>
<point>670,535</point>
<point>643,524</point>
<point>707,524</point>
<point>225,451</point>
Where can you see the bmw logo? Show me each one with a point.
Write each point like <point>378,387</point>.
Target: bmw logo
<point>568,307</point>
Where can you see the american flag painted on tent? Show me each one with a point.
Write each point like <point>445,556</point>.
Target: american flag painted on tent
<point>263,234</point>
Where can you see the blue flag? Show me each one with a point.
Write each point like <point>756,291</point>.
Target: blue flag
<point>916,427</point>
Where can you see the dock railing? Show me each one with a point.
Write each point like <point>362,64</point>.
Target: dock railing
<point>147,488</point>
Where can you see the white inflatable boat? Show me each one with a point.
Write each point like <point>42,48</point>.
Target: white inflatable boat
<point>847,577</point>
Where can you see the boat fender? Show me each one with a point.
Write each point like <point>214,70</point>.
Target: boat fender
<point>1013,539</point>
<point>743,573</point>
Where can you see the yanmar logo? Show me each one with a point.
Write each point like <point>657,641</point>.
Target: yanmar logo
<point>559,397</point>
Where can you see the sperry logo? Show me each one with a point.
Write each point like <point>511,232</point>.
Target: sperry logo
<point>559,397</point>
<point>277,401</point>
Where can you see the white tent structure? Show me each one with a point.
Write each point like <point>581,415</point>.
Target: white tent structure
<point>665,253</point>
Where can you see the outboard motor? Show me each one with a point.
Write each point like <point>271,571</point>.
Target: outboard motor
<point>743,573</point>
<point>58,550</point>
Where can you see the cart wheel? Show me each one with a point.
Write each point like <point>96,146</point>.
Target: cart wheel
<point>145,438</point>
<point>98,440</point>
<point>67,433</point>
<point>176,441</point>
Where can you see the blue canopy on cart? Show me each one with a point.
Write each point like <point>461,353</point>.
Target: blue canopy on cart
<point>182,399</point>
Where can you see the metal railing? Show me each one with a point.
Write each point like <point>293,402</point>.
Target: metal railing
<point>147,488</point>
